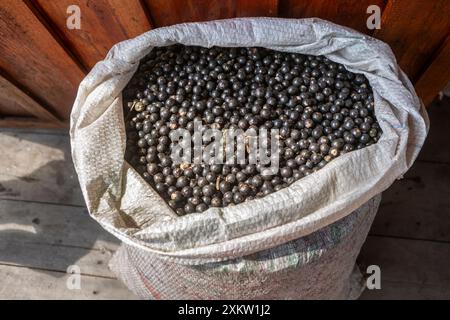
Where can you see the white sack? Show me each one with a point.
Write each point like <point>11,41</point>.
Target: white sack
<point>125,204</point>
<point>320,265</point>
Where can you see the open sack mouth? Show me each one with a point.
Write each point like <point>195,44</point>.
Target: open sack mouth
<point>333,155</point>
<point>215,127</point>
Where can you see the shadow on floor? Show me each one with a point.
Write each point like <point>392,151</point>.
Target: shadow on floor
<point>43,221</point>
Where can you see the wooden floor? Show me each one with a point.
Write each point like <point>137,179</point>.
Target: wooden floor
<point>410,238</point>
<point>45,228</point>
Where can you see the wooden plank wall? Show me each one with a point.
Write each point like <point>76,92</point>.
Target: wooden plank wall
<point>434,77</point>
<point>104,23</point>
<point>349,13</point>
<point>32,57</point>
<point>42,61</point>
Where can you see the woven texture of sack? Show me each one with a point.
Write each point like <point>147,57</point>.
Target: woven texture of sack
<point>317,266</point>
<point>129,208</point>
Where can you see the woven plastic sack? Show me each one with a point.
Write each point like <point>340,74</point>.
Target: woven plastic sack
<point>318,266</point>
<point>125,205</point>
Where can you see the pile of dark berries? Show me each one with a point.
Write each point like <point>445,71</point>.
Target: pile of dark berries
<point>321,110</point>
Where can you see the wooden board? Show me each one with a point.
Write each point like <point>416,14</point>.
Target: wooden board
<point>436,145</point>
<point>261,8</point>
<point>103,24</point>
<point>397,290</point>
<point>49,225</point>
<point>344,12</point>
<point>54,258</point>
<point>33,58</point>
<point>437,75</point>
<point>39,241</point>
<point>25,283</point>
<point>15,102</point>
<point>417,206</point>
<point>415,31</point>
<point>413,264</point>
<point>165,13</point>
<point>31,123</point>
<point>38,168</point>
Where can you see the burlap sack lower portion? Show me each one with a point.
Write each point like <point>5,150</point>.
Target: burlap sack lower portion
<point>318,266</point>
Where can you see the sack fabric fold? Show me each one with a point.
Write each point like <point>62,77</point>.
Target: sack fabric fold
<point>125,205</point>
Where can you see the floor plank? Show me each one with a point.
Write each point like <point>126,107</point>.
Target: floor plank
<point>38,242</point>
<point>24,283</point>
<point>436,148</point>
<point>53,237</point>
<point>38,167</point>
<point>56,258</point>
<point>392,290</point>
<point>29,222</point>
<point>418,206</point>
<point>44,227</point>
<point>422,266</point>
